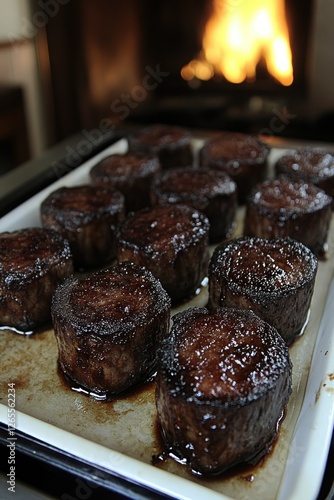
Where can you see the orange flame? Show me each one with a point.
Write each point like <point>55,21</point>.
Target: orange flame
<point>237,35</point>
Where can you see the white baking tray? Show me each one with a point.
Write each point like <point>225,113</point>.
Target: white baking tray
<point>121,436</point>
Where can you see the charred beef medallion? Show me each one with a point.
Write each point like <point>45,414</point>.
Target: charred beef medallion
<point>311,164</point>
<point>210,191</point>
<point>171,144</point>
<point>287,208</point>
<point>243,157</point>
<point>87,217</point>
<point>130,174</point>
<point>172,242</point>
<point>33,261</point>
<point>275,278</point>
<point>108,326</point>
<point>223,381</point>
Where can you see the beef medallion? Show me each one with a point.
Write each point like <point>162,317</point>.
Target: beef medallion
<point>223,381</point>
<point>108,326</point>
<point>33,261</point>
<point>172,242</point>
<point>275,278</point>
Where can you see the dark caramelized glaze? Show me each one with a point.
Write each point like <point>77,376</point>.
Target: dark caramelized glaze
<point>87,217</point>
<point>75,206</point>
<point>28,253</point>
<point>121,167</point>
<point>159,135</point>
<point>157,229</point>
<point>224,378</point>
<point>33,261</point>
<point>210,191</point>
<point>268,267</point>
<point>275,278</point>
<point>131,174</point>
<point>236,149</point>
<point>108,326</point>
<point>111,301</point>
<point>288,196</point>
<point>171,144</point>
<point>171,241</point>
<point>289,208</point>
<point>232,358</point>
<point>243,156</point>
<point>311,164</point>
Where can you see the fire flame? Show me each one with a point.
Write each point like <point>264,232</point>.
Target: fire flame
<point>238,34</point>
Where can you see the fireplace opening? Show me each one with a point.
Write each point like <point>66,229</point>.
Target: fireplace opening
<point>237,36</point>
<point>178,36</point>
<point>127,64</point>
<point>261,33</point>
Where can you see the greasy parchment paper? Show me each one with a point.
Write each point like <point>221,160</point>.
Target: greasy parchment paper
<point>122,434</point>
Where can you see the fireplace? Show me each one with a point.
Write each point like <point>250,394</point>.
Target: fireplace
<point>125,65</point>
<point>173,34</point>
<point>175,39</point>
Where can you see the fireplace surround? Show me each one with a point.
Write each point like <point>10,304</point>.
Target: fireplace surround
<point>117,48</point>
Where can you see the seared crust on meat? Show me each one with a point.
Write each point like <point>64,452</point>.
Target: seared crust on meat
<point>108,327</point>
<point>131,174</point>
<point>33,261</point>
<point>275,278</point>
<point>172,242</point>
<point>311,164</point>
<point>208,190</point>
<point>244,157</point>
<point>224,378</point>
<point>171,144</point>
<point>283,207</point>
<point>88,217</point>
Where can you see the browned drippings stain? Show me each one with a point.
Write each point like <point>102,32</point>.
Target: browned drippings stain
<point>317,394</point>
<point>27,361</point>
<point>102,410</point>
<point>138,396</point>
<point>330,390</point>
<point>324,384</point>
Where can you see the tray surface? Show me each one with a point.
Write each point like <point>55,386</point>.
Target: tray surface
<point>122,435</point>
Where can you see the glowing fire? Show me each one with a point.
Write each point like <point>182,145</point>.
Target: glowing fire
<point>237,35</point>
